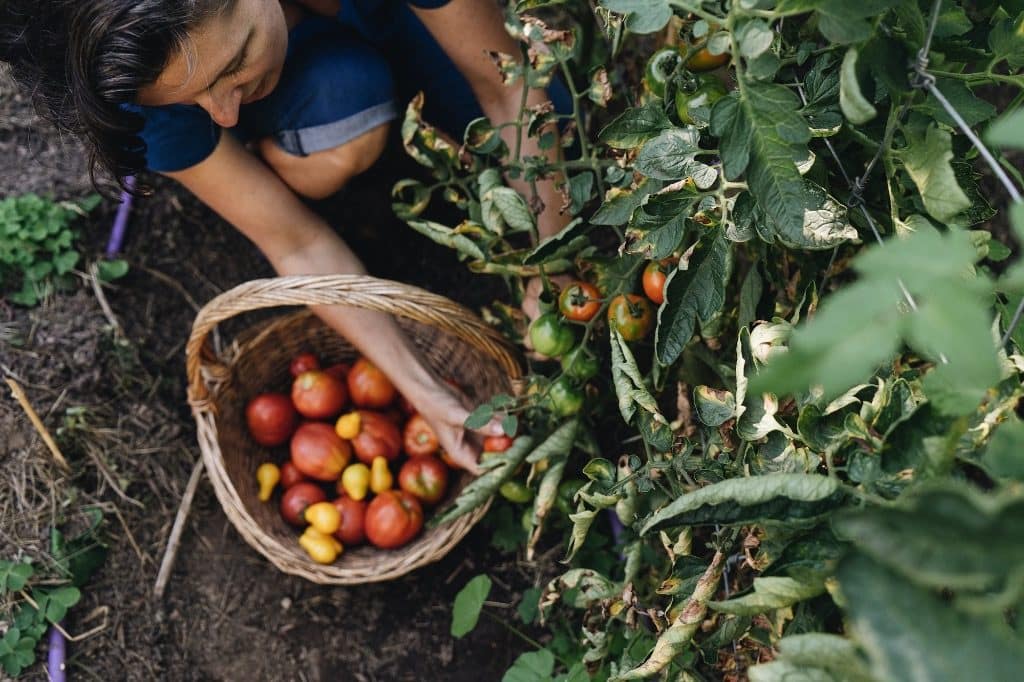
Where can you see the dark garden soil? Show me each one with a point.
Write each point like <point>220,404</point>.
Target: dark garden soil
<point>120,414</point>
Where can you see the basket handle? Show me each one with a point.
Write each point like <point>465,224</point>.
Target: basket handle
<point>358,291</point>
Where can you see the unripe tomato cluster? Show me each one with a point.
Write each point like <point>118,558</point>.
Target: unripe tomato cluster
<point>361,465</point>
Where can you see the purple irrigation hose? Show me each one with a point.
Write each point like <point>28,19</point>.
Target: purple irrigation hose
<point>56,656</point>
<point>121,219</point>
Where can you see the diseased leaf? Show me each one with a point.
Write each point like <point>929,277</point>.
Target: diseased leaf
<point>770,593</point>
<point>927,160</point>
<point>559,245</point>
<point>482,488</point>
<point>635,126</point>
<point>778,497</point>
<point>446,236</point>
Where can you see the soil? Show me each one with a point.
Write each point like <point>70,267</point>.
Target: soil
<point>117,406</point>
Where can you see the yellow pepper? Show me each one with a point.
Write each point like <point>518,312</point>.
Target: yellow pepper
<point>267,475</point>
<point>355,480</point>
<point>348,425</point>
<point>380,476</point>
<point>323,549</point>
<point>323,516</point>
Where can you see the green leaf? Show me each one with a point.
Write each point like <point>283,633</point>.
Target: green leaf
<point>697,291</point>
<point>643,16</point>
<point>770,593</point>
<point>446,236</point>
<point>764,134</point>
<point>657,227</point>
<point>754,37</point>
<point>635,126</point>
<point>841,21</point>
<point>927,160</point>
<point>911,634</point>
<point>14,575</point>
<point>581,187</point>
<point>672,155</point>
<point>1004,456</point>
<point>1008,131</point>
<point>533,666</point>
<point>468,603</point>
<point>945,537</point>
<point>972,109</point>
<point>110,270</point>
<point>1007,41</point>
<point>777,497</point>
<point>529,605</point>
<point>509,424</point>
<point>558,245</point>
<point>812,657</point>
<point>479,417</point>
<point>856,107</point>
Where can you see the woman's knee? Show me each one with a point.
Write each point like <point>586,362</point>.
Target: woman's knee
<point>321,174</point>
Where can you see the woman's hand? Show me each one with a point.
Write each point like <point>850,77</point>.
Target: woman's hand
<point>446,413</point>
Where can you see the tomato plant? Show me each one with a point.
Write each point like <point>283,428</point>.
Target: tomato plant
<point>846,300</point>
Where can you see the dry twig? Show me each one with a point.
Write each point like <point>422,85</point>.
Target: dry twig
<point>174,540</point>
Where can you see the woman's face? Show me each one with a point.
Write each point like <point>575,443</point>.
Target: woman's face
<point>231,59</point>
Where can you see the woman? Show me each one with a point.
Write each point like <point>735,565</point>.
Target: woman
<point>307,90</point>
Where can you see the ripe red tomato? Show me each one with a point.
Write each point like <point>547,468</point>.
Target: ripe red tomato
<point>497,443</point>
<point>393,518</point>
<point>424,477</point>
<point>271,418</point>
<point>352,530</point>
<point>318,452</point>
<point>295,500</point>
<point>418,438</point>
<point>303,362</point>
<point>654,281</point>
<point>318,395</point>
<point>368,386</point>
<point>290,475</point>
<point>579,301</point>
<point>631,315</point>
<point>340,371</point>
<point>378,437</point>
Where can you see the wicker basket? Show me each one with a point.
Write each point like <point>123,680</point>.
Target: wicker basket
<point>450,340</point>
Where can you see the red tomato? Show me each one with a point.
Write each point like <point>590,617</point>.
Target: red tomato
<point>318,395</point>
<point>352,530</point>
<point>447,459</point>
<point>418,438</point>
<point>632,316</point>
<point>579,301</point>
<point>393,518</point>
<point>378,437</point>
<point>303,362</point>
<point>368,386</point>
<point>654,281</point>
<point>318,452</point>
<point>340,371</point>
<point>424,477</point>
<point>497,443</point>
<point>290,475</point>
<point>295,500</point>
<point>271,418</point>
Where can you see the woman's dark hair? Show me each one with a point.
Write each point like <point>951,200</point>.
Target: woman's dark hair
<point>81,60</point>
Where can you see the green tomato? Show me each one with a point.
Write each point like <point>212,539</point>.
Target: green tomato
<point>550,336</point>
<point>701,91</point>
<point>517,492</point>
<point>660,67</point>
<point>579,364</point>
<point>563,398</point>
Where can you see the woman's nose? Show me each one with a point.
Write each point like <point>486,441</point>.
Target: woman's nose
<point>223,108</point>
